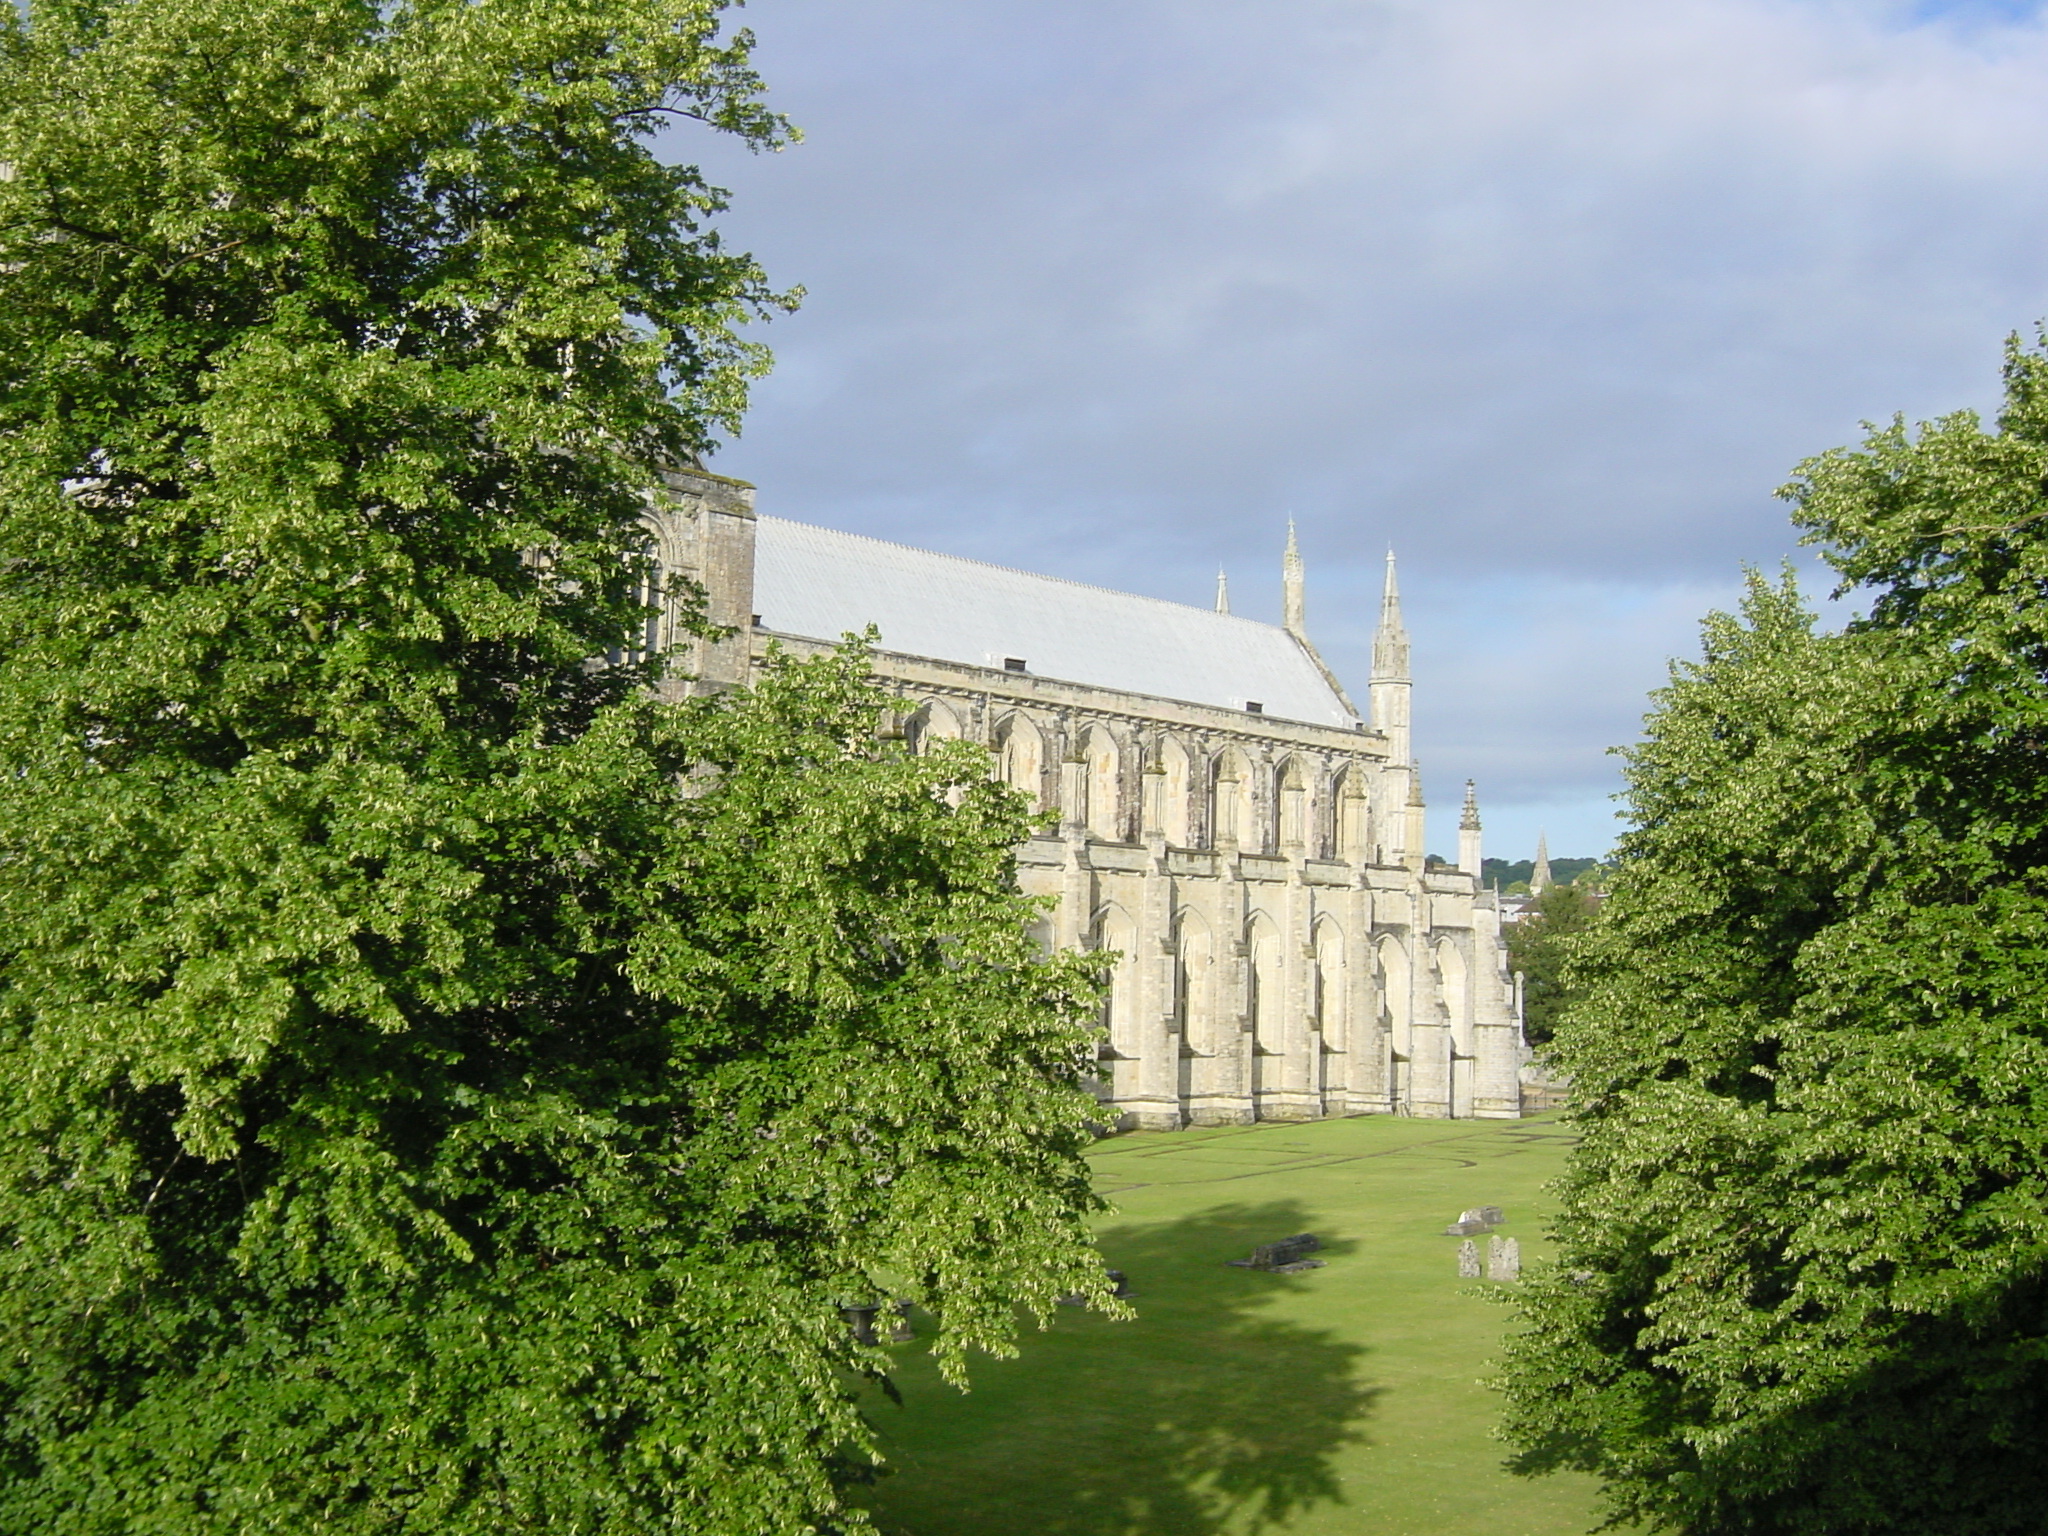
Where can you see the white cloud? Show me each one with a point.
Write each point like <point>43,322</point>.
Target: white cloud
<point>1551,295</point>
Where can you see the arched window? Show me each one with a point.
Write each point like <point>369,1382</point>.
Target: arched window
<point>653,597</point>
<point>1176,820</point>
<point>1266,1003</point>
<point>1354,816</point>
<point>1392,976</point>
<point>1329,1004</point>
<point>1020,758</point>
<point>1230,801</point>
<point>1115,930</point>
<point>930,721</point>
<point>1266,1007</point>
<point>1194,981</point>
<point>1291,806</point>
<point>1457,994</point>
<point>1104,775</point>
<point>649,630</point>
<point>1457,1002</point>
<point>1394,994</point>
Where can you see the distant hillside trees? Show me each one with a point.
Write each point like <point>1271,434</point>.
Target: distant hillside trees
<point>1802,1272</point>
<point>443,1088</point>
<point>1509,874</point>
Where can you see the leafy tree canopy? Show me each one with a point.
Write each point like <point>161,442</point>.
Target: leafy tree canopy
<point>448,1090</point>
<point>1538,948</point>
<point>1803,1283</point>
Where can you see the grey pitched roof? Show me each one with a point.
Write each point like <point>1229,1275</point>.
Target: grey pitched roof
<point>821,583</point>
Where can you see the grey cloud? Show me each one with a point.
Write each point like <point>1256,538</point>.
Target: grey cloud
<point>1550,296</point>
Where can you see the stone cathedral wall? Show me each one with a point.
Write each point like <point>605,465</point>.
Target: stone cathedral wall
<point>1281,952</point>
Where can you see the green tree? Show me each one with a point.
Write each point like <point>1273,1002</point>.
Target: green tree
<point>1538,947</point>
<point>1802,1283</point>
<point>446,1089</point>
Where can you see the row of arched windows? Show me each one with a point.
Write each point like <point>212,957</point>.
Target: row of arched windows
<point>1204,1011</point>
<point>1228,798</point>
<point>1207,1012</point>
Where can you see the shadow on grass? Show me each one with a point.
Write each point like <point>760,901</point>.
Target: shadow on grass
<point>1206,1415</point>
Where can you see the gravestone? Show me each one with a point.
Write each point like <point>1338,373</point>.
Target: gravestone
<point>1468,1260</point>
<point>862,1320</point>
<point>1505,1261</point>
<point>900,1330</point>
<point>1119,1287</point>
<point>1288,1256</point>
<point>1480,1218</point>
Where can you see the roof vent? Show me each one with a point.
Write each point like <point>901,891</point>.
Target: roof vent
<point>1013,663</point>
<point>1254,707</point>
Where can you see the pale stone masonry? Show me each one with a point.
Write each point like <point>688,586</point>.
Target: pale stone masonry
<point>1220,815</point>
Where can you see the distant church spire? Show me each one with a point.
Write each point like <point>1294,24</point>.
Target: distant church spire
<point>1222,591</point>
<point>1294,599</point>
<point>1539,877</point>
<point>1390,684</point>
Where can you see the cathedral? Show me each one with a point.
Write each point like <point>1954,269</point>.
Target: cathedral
<point>1219,813</point>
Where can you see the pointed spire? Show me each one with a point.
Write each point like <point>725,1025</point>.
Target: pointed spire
<point>1222,591</point>
<point>1390,645</point>
<point>1469,856</point>
<point>1294,599</point>
<point>1539,877</point>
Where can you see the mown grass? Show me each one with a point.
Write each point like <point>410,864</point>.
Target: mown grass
<point>1347,1401</point>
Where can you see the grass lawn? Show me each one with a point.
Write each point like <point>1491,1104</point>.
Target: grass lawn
<point>1341,1402</point>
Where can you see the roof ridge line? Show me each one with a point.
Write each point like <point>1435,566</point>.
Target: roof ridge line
<point>1012,570</point>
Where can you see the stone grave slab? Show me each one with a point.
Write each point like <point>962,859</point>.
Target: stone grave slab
<point>1504,1262</point>
<point>1287,1256</point>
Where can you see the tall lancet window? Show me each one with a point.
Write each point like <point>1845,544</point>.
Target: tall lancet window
<point>1177,803</point>
<point>1354,817</point>
<point>1231,802</point>
<point>1194,984</point>
<point>1327,1006</point>
<point>1265,1000</point>
<point>648,593</point>
<point>1395,997</point>
<point>1104,785</point>
<point>653,597</point>
<point>1020,759</point>
<point>1291,811</point>
<point>1114,930</point>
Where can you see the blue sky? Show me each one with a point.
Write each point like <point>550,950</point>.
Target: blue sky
<point>1551,297</point>
<point>1995,12</point>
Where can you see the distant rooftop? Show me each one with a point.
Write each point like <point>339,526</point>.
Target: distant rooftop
<point>821,583</point>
